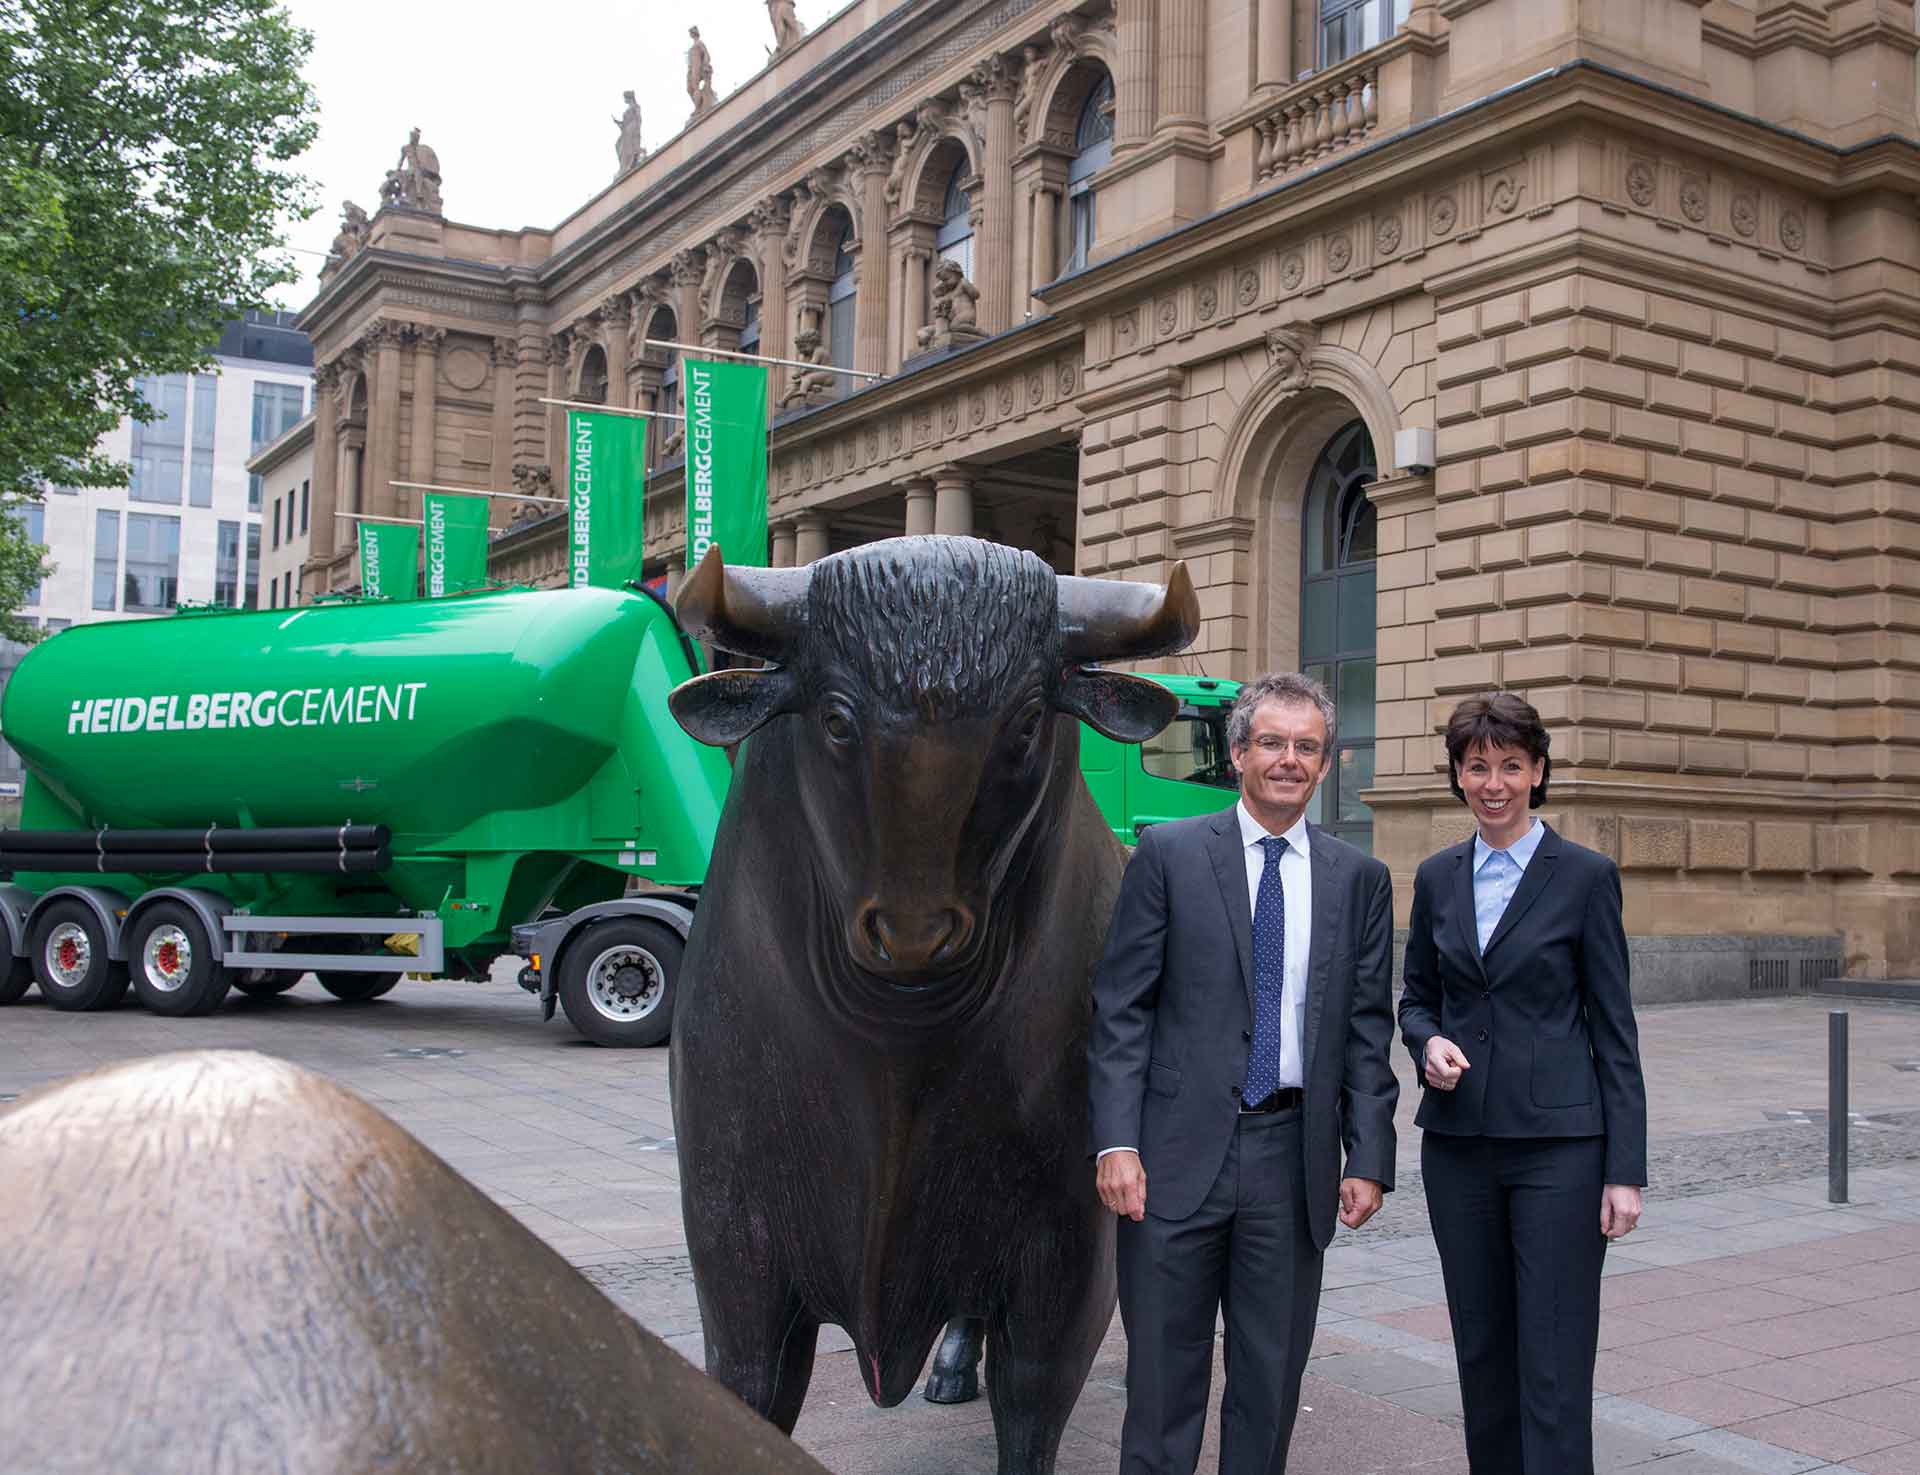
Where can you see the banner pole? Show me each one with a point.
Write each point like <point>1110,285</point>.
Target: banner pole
<point>753,358</point>
<point>428,486</point>
<point>579,404</point>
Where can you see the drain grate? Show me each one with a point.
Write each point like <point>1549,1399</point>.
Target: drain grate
<point>1767,975</point>
<point>1816,971</point>
<point>424,1052</point>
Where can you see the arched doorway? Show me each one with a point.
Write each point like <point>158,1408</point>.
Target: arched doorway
<point>1338,547</point>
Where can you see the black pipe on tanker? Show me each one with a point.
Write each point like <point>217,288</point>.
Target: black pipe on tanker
<point>200,863</point>
<point>214,838</point>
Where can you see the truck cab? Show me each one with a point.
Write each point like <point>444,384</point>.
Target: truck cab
<point>1184,771</point>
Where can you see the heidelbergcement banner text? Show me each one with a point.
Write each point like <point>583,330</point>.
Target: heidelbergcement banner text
<point>726,406</point>
<point>606,498</point>
<point>456,542</point>
<point>389,559</point>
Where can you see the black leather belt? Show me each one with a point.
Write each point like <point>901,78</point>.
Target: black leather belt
<point>1286,1098</point>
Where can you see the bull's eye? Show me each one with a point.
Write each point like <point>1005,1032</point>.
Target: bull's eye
<point>836,719</point>
<point>1027,733</point>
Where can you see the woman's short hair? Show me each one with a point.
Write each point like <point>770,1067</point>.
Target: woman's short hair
<point>1497,719</point>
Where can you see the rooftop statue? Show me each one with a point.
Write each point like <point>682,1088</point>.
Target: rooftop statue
<point>787,29</point>
<point>628,146</point>
<point>414,182</point>
<point>699,73</point>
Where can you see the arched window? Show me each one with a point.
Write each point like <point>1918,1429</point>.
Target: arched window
<point>1092,151</point>
<point>667,401</point>
<point>593,376</point>
<point>750,327</point>
<point>954,240</point>
<point>1338,546</point>
<point>840,302</point>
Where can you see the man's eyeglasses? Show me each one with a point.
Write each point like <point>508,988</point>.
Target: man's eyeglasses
<point>1308,750</point>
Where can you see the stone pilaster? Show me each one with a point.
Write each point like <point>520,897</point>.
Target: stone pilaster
<point>1134,91</point>
<point>426,375</point>
<point>870,161</point>
<point>382,465</point>
<point>1180,62</point>
<point>1000,80</point>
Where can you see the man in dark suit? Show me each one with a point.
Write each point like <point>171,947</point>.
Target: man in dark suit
<point>1242,1021</point>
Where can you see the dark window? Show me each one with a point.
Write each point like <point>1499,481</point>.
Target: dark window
<point>750,327</point>
<point>256,491</point>
<point>106,559</point>
<point>206,399</point>
<point>840,312</point>
<point>276,522</point>
<point>253,565</point>
<point>159,447</point>
<point>1337,622</point>
<point>954,239</point>
<point>1349,27</point>
<point>306,499</point>
<point>1093,151</point>
<point>286,593</point>
<point>226,565</point>
<point>153,562</point>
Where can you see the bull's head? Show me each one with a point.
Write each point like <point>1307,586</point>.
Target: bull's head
<point>934,683</point>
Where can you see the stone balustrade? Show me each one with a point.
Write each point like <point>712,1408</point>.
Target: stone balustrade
<point>1328,113</point>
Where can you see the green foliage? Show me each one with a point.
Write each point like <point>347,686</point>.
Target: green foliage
<point>145,150</point>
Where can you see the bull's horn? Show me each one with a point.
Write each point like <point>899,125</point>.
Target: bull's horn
<point>1113,620</point>
<point>754,611</point>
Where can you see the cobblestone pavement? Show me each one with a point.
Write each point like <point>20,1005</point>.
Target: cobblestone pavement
<point>1750,1326</point>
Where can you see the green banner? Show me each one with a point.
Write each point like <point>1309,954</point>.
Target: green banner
<point>606,498</point>
<point>389,559</point>
<point>726,406</point>
<point>456,542</point>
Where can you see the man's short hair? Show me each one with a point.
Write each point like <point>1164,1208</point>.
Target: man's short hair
<point>1498,719</point>
<point>1289,688</point>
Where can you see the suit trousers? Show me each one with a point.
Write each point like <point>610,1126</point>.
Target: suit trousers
<point>1516,1221</point>
<point>1247,1247</point>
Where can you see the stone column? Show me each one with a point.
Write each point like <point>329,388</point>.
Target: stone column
<point>1134,87</point>
<point>871,160</point>
<point>687,269</point>
<point>353,460</point>
<point>426,375</point>
<point>382,464</point>
<point>783,541</point>
<point>1000,80</point>
<point>913,313</point>
<point>770,222</point>
<point>1273,58</point>
<point>810,541</point>
<point>500,473</point>
<point>615,343</point>
<point>953,501</point>
<point>920,507</point>
<point>326,459</point>
<point>1181,64</point>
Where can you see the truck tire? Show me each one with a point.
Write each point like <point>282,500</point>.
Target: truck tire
<point>617,981</point>
<point>171,958</point>
<point>16,980</point>
<point>70,960</point>
<point>357,988</point>
<point>261,983</point>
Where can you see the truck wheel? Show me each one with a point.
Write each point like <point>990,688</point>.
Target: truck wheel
<point>174,970</point>
<point>70,960</point>
<point>16,980</point>
<point>357,988</point>
<point>617,981</point>
<point>261,982</point>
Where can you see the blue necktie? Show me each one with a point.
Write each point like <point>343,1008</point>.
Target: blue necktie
<point>1269,978</point>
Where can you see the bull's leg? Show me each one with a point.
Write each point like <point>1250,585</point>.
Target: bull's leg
<point>1042,1343</point>
<point>955,1378</point>
<point>760,1343</point>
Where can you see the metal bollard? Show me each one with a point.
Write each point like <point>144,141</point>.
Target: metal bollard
<point>1837,1106</point>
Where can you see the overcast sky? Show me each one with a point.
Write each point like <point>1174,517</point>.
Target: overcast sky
<point>518,101</point>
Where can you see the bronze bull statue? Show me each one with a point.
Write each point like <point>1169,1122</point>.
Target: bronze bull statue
<point>220,1264</point>
<point>879,1056</point>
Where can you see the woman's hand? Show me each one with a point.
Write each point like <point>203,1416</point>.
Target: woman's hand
<point>1445,1063</point>
<point>1619,1209</point>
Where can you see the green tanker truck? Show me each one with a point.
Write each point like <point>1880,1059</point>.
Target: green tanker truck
<point>361,789</point>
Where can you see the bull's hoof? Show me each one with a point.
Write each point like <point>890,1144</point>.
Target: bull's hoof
<point>962,1385</point>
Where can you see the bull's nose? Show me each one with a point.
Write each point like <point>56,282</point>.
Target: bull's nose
<point>895,940</point>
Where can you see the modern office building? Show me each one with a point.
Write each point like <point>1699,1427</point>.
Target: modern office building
<point>1563,346</point>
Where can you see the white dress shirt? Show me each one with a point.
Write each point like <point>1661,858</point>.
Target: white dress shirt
<point>1496,876</point>
<point>1296,878</point>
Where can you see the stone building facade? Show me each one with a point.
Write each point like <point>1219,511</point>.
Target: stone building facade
<point>1646,274</point>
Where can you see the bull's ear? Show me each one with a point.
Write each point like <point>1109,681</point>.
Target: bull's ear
<point>1128,709</point>
<point>722,707</point>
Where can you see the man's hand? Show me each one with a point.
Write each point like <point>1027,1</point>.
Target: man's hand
<point>1619,1209</point>
<point>1122,1183</point>
<point>1359,1201</point>
<point>1445,1063</point>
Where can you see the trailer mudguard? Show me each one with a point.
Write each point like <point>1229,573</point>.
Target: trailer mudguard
<point>551,938</point>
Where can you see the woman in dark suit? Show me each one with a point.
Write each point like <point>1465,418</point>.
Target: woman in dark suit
<point>1534,1115</point>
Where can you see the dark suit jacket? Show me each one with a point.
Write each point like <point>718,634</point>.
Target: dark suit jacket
<point>1545,1015</point>
<point>1173,1015</point>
